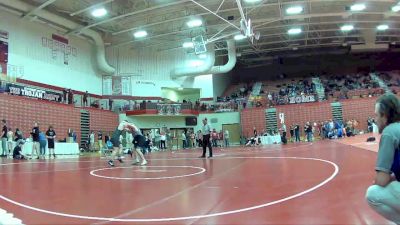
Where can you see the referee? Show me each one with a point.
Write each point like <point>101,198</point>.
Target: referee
<point>206,138</point>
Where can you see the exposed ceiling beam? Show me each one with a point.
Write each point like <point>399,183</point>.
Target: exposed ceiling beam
<point>243,17</point>
<point>148,25</point>
<point>220,17</point>
<point>255,7</point>
<point>330,22</point>
<point>32,12</point>
<point>90,7</point>
<point>219,7</point>
<point>212,38</point>
<point>303,39</point>
<point>263,35</point>
<point>305,16</point>
<point>182,18</point>
<point>130,14</point>
<point>299,47</point>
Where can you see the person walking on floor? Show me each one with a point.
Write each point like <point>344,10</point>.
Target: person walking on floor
<point>4,138</point>
<point>206,130</point>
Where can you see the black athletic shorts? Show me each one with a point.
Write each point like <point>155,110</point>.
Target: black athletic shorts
<point>139,141</point>
<point>115,142</point>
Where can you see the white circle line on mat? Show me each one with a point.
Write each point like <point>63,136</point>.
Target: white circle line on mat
<point>335,172</point>
<point>201,170</point>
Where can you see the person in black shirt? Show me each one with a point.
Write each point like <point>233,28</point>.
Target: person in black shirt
<point>100,139</point>
<point>70,97</point>
<point>18,135</point>
<point>35,138</point>
<point>110,103</point>
<point>85,96</point>
<point>17,153</point>
<point>308,130</point>
<point>291,133</point>
<point>65,91</point>
<point>51,136</point>
<point>297,132</point>
<point>4,138</point>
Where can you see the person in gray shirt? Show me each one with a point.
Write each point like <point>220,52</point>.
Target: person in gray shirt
<point>206,130</point>
<point>384,195</point>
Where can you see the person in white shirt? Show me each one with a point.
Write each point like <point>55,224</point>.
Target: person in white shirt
<point>183,140</point>
<point>10,136</point>
<point>92,141</point>
<point>226,137</point>
<point>163,138</point>
<point>206,130</point>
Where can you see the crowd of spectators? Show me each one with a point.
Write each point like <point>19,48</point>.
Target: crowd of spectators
<point>340,86</point>
<point>286,91</point>
<point>332,129</point>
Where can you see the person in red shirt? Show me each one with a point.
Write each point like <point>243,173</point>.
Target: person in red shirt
<point>220,138</point>
<point>214,137</point>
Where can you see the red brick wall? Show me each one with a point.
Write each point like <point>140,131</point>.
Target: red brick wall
<point>359,109</point>
<point>250,118</point>
<point>21,112</point>
<point>302,113</point>
<point>101,120</point>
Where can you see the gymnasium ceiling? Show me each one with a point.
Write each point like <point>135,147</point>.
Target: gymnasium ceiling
<point>165,22</point>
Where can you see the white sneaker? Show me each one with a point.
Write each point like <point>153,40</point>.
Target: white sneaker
<point>143,163</point>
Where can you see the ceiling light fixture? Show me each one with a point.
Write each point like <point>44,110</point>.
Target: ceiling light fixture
<point>357,7</point>
<point>347,28</point>
<point>294,10</point>
<point>99,12</point>
<point>294,31</point>
<point>194,23</point>
<point>396,8</point>
<point>140,34</point>
<point>239,37</point>
<point>382,27</point>
<point>188,45</point>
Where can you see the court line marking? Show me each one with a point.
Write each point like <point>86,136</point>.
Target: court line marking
<point>149,171</point>
<point>251,150</point>
<point>202,170</point>
<point>256,150</point>
<point>333,175</point>
<point>179,193</point>
<point>366,143</point>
